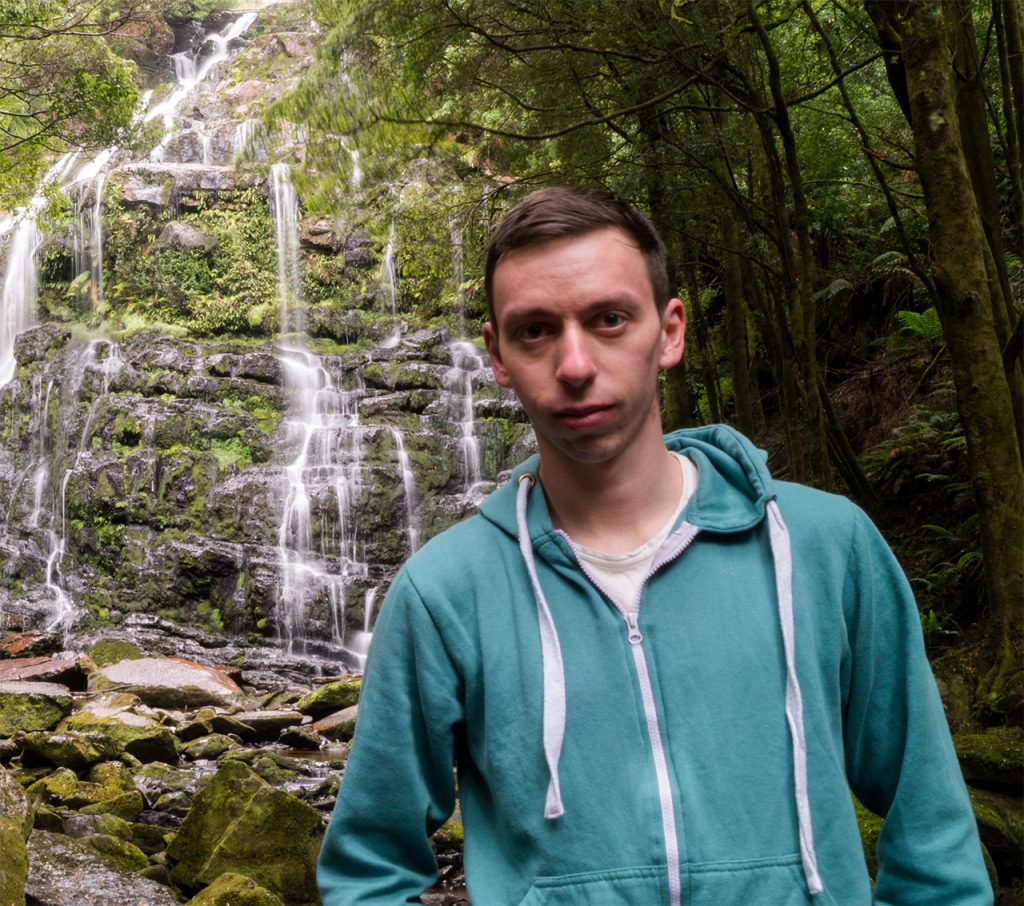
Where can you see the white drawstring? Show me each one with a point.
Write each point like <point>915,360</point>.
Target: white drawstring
<point>783,556</point>
<point>551,659</point>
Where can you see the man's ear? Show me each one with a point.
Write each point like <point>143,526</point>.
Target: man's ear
<point>673,333</point>
<point>497,366</point>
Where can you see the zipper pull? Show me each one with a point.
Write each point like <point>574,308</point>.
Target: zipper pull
<point>635,635</point>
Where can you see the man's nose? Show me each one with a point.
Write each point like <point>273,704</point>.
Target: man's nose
<point>575,364</point>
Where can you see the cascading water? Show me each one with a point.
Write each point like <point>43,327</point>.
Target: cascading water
<point>21,275</point>
<point>389,289</point>
<point>191,69</point>
<point>467,363</point>
<point>409,488</point>
<point>324,481</point>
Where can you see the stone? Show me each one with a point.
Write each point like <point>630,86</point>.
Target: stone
<point>32,706</point>
<point>80,825</point>
<point>233,889</point>
<point>267,725</point>
<point>68,749</point>
<point>339,726</point>
<point>54,788</point>
<point>323,233</point>
<point>126,806</point>
<point>330,697</point>
<point>62,669</point>
<point>15,825</point>
<point>184,237</point>
<point>140,187</point>
<point>300,738</point>
<point>67,872</point>
<point>32,643</point>
<point>173,682</point>
<point>119,721</point>
<point>239,823</point>
<point>110,651</point>
<point>209,747</point>
<point>994,756</point>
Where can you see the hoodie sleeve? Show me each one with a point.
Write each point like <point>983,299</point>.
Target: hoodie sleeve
<point>900,758</point>
<point>398,784</point>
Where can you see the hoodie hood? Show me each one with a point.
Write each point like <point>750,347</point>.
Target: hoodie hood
<point>731,496</point>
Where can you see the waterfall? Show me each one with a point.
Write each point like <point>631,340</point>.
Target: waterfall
<point>458,271</point>
<point>409,487</point>
<point>389,289</point>
<point>189,71</point>
<point>21,274</point>
<point>467,362</point>
<point>285,211</point>
<point>325,479</point>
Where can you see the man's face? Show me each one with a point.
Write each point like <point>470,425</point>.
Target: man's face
<point>580,341</point>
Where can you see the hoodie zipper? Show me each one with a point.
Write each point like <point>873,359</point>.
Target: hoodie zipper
<point>682,538</point>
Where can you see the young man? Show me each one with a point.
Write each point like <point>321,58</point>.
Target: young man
<point>658,671</point>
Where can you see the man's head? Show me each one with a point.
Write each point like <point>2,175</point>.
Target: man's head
<point>561,212</point>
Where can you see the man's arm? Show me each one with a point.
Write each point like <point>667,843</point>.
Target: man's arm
<point>900,758</point>
<point>397,786</point>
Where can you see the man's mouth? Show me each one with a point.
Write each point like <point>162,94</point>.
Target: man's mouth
<point>581,417</point>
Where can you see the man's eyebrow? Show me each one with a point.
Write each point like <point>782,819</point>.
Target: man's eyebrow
<point>543,311</point>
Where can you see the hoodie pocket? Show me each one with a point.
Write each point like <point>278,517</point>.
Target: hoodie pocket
<point>757,882</point>
<point>615,887</point>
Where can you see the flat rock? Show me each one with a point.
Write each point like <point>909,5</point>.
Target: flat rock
<point>173,682</point>
<point>269,723</point>
<point>65,872</point>
<point>29,643</point>
<point>184,237</point>
<point>64,669</point>
<point>32,706</point>
<point>340,726</point>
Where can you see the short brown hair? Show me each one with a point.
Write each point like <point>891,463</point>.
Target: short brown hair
<point>559,212</point>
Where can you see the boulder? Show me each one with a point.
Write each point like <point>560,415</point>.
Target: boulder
<point>67,872</point>
<point>340,726</point>
<point>184,237</point>
<point>31,643</point>
<point>267,725</point>
<point>330,697</point>
<point>171,682</point>
<point>301,738</point>
<point>67,750</point>
<point>32,706</point>
<point>994,756</point>
<point>56,787</point>
<point>126,727</point>
<point>15,824</point>
<point>63,669</point>
<point>209,747</point>
<point>232,889</point>
<point>239,823</point>
<point>323,233</point>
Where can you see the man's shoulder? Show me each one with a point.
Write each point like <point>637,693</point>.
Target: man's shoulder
<point>806,508</point>
<point>461,547</point>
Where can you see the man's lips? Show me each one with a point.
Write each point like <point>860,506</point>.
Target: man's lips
<point>584,416</point>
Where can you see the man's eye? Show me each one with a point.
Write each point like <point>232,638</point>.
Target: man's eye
<point>531,331</point>
<point>612,319</point>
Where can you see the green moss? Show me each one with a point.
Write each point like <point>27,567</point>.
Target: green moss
<point>110,651</point>
<point>995,755</point>
<point>329,698</point>
<point>870,830</point>
<point>232,453</point>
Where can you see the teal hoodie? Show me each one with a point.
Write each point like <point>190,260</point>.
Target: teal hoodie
<point>703,752</point>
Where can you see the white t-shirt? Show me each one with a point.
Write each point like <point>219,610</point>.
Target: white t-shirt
<point>621,575</point>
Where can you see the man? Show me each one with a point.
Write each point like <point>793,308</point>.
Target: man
<point>658,671</point>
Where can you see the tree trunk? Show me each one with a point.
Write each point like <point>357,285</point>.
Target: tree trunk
<point>958,248</point>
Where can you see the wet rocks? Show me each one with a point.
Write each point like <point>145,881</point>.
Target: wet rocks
<point>330,697</point>
<point>183,237</point>
<point>68,872</point>
<point>15,822</point>
<point>172,682</point>
<point>240,823</point>
<point>32,706</point>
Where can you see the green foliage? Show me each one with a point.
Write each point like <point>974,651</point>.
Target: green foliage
<point>61,86</point>
<point>924,326</point>
<point>229,289</point>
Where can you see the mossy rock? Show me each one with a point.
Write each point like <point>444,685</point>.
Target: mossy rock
<point>121,853</point>
<point>126,806</point>
<point>233,889</point>
<point>56,787</point>
<point>1001,826</point>
<point>28,706</point>
<point>110,651</point>
<point>69,750</point>
<point>995,756</point>
<point>329,698</point>
<point>240,823</point>
<point>208,747</point>
<point>144,739</point>
<point>15,826</point>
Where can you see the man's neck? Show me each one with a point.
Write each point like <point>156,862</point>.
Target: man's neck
<point>613,506</point>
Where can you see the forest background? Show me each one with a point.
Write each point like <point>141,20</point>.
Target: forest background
<point>839,185</point>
